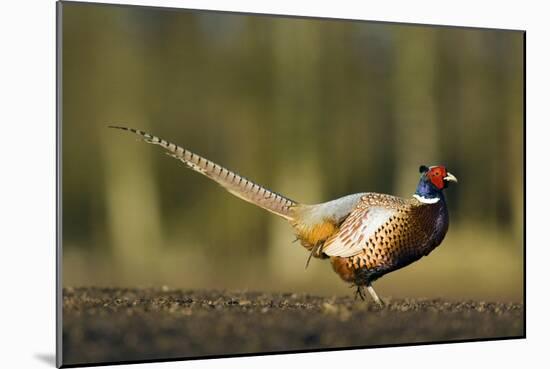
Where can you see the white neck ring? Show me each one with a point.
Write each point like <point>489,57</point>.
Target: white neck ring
<point>426,200</point>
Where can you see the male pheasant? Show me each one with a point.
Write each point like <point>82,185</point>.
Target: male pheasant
<point>365,235</point>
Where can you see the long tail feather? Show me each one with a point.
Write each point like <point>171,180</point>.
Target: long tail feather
<point>231,181</point>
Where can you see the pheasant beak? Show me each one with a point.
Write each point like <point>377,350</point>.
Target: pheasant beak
<point>450,178</point>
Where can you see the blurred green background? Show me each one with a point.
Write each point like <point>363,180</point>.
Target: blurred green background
<point>313,109</point>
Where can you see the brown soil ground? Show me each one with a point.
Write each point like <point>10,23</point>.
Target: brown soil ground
<point>111,325</point>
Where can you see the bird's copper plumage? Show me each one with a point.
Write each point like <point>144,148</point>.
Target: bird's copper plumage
<point>365,235</point>
<point>408,234</point>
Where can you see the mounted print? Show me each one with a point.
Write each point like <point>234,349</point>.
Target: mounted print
<point>240,184</point>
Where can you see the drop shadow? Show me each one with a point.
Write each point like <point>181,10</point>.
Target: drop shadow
<point>46,358</point>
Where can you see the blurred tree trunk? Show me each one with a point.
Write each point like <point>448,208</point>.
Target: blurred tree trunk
<point>508,136</point>
<point>296,52</point>
<point>477,140</point>
<point>130,181</point>
<point>514,113</point>
<point>416,130</point>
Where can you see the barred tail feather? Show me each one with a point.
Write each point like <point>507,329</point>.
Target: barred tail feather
<point>231,181</point>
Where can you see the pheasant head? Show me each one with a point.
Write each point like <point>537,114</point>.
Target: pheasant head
<point>433,180</point>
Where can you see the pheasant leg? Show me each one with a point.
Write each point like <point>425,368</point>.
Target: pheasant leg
<point>359,292</point>
<point>314,251</point>
<point>374,295</point>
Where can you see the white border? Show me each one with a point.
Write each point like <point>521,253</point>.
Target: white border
<point>27,184</point>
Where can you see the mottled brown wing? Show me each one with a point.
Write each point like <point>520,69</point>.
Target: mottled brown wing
<point>362,223</point>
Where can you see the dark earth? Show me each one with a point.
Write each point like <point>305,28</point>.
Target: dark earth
<point>112,324</point>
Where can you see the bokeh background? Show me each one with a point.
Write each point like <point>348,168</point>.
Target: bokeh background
<point>313,109</point>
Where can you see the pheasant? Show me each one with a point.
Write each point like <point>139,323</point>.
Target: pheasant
<point>365,235</point>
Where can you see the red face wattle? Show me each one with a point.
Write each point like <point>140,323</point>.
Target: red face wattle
<point>436,175</point>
